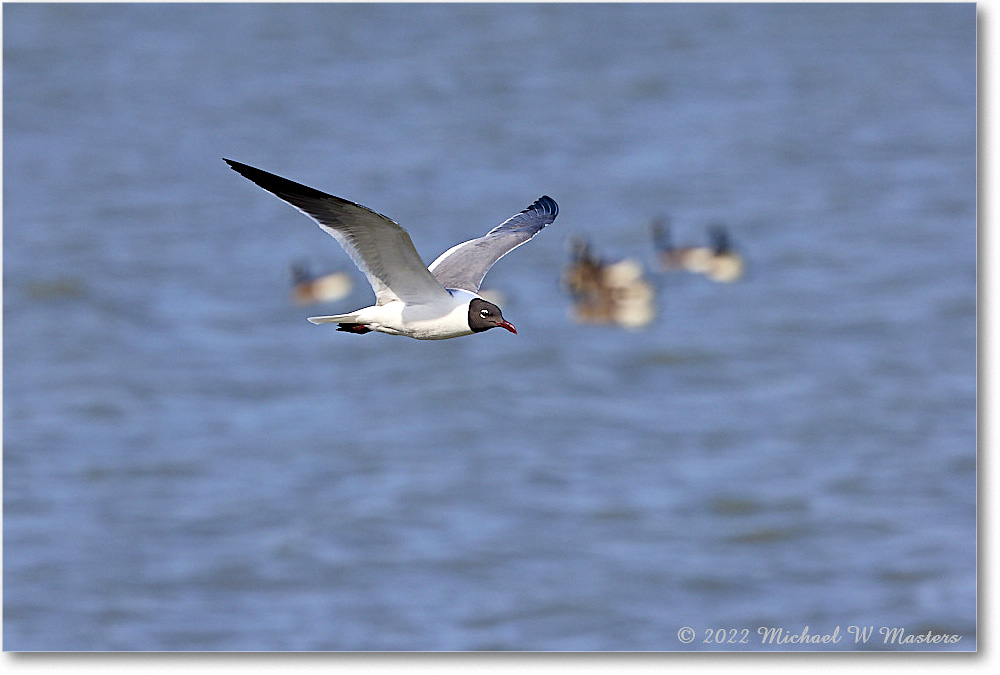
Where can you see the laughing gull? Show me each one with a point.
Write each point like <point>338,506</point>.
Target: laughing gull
<point>427,303</point>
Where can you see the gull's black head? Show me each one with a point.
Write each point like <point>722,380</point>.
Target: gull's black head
<point>485,315</point>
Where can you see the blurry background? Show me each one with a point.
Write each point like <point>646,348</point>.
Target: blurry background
<point>189,464</point>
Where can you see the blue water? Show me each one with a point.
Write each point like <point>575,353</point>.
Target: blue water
<point>190,465</point>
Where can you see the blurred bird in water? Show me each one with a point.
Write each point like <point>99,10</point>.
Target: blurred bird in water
<point>691,258</point>
<point>605,293</point>
<point>309,290</point>
<point>725,265</point>
<point>719,262</point>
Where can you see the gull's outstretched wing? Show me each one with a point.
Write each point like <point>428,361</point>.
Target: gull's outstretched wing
<point>379,246</point>
<point>463,266</point>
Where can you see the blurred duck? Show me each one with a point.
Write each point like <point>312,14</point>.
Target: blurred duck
<point>309,290</point>
<point>583,275</point>
<point>605,293</point>
<point>725,265</point>
<point>691,258</point>
<point>718,262</point>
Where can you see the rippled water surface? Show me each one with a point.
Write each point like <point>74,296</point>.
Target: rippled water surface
<point>189,464</point>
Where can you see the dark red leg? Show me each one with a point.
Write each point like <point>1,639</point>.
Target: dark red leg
<point>354,328</point>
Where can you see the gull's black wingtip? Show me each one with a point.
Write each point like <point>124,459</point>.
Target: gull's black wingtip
<point>239,167</point>
<point>281,187</point>
<point>266,180</point>
<point>545,204</point>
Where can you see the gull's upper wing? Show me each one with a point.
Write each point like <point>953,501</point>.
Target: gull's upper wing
<point>379,246</point>
<point>464,265</point>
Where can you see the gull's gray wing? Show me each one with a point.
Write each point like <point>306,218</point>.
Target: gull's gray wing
<point>379,246</point>
<point>463,266</point>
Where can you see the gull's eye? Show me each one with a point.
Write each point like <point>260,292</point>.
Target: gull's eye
<point>484,313</point>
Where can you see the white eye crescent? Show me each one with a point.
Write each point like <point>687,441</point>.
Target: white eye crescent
<point>484,313</point>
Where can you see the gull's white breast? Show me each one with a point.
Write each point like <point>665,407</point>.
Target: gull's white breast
<point>432,321</point>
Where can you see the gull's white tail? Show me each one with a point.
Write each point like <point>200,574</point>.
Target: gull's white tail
<point>336,318</point>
